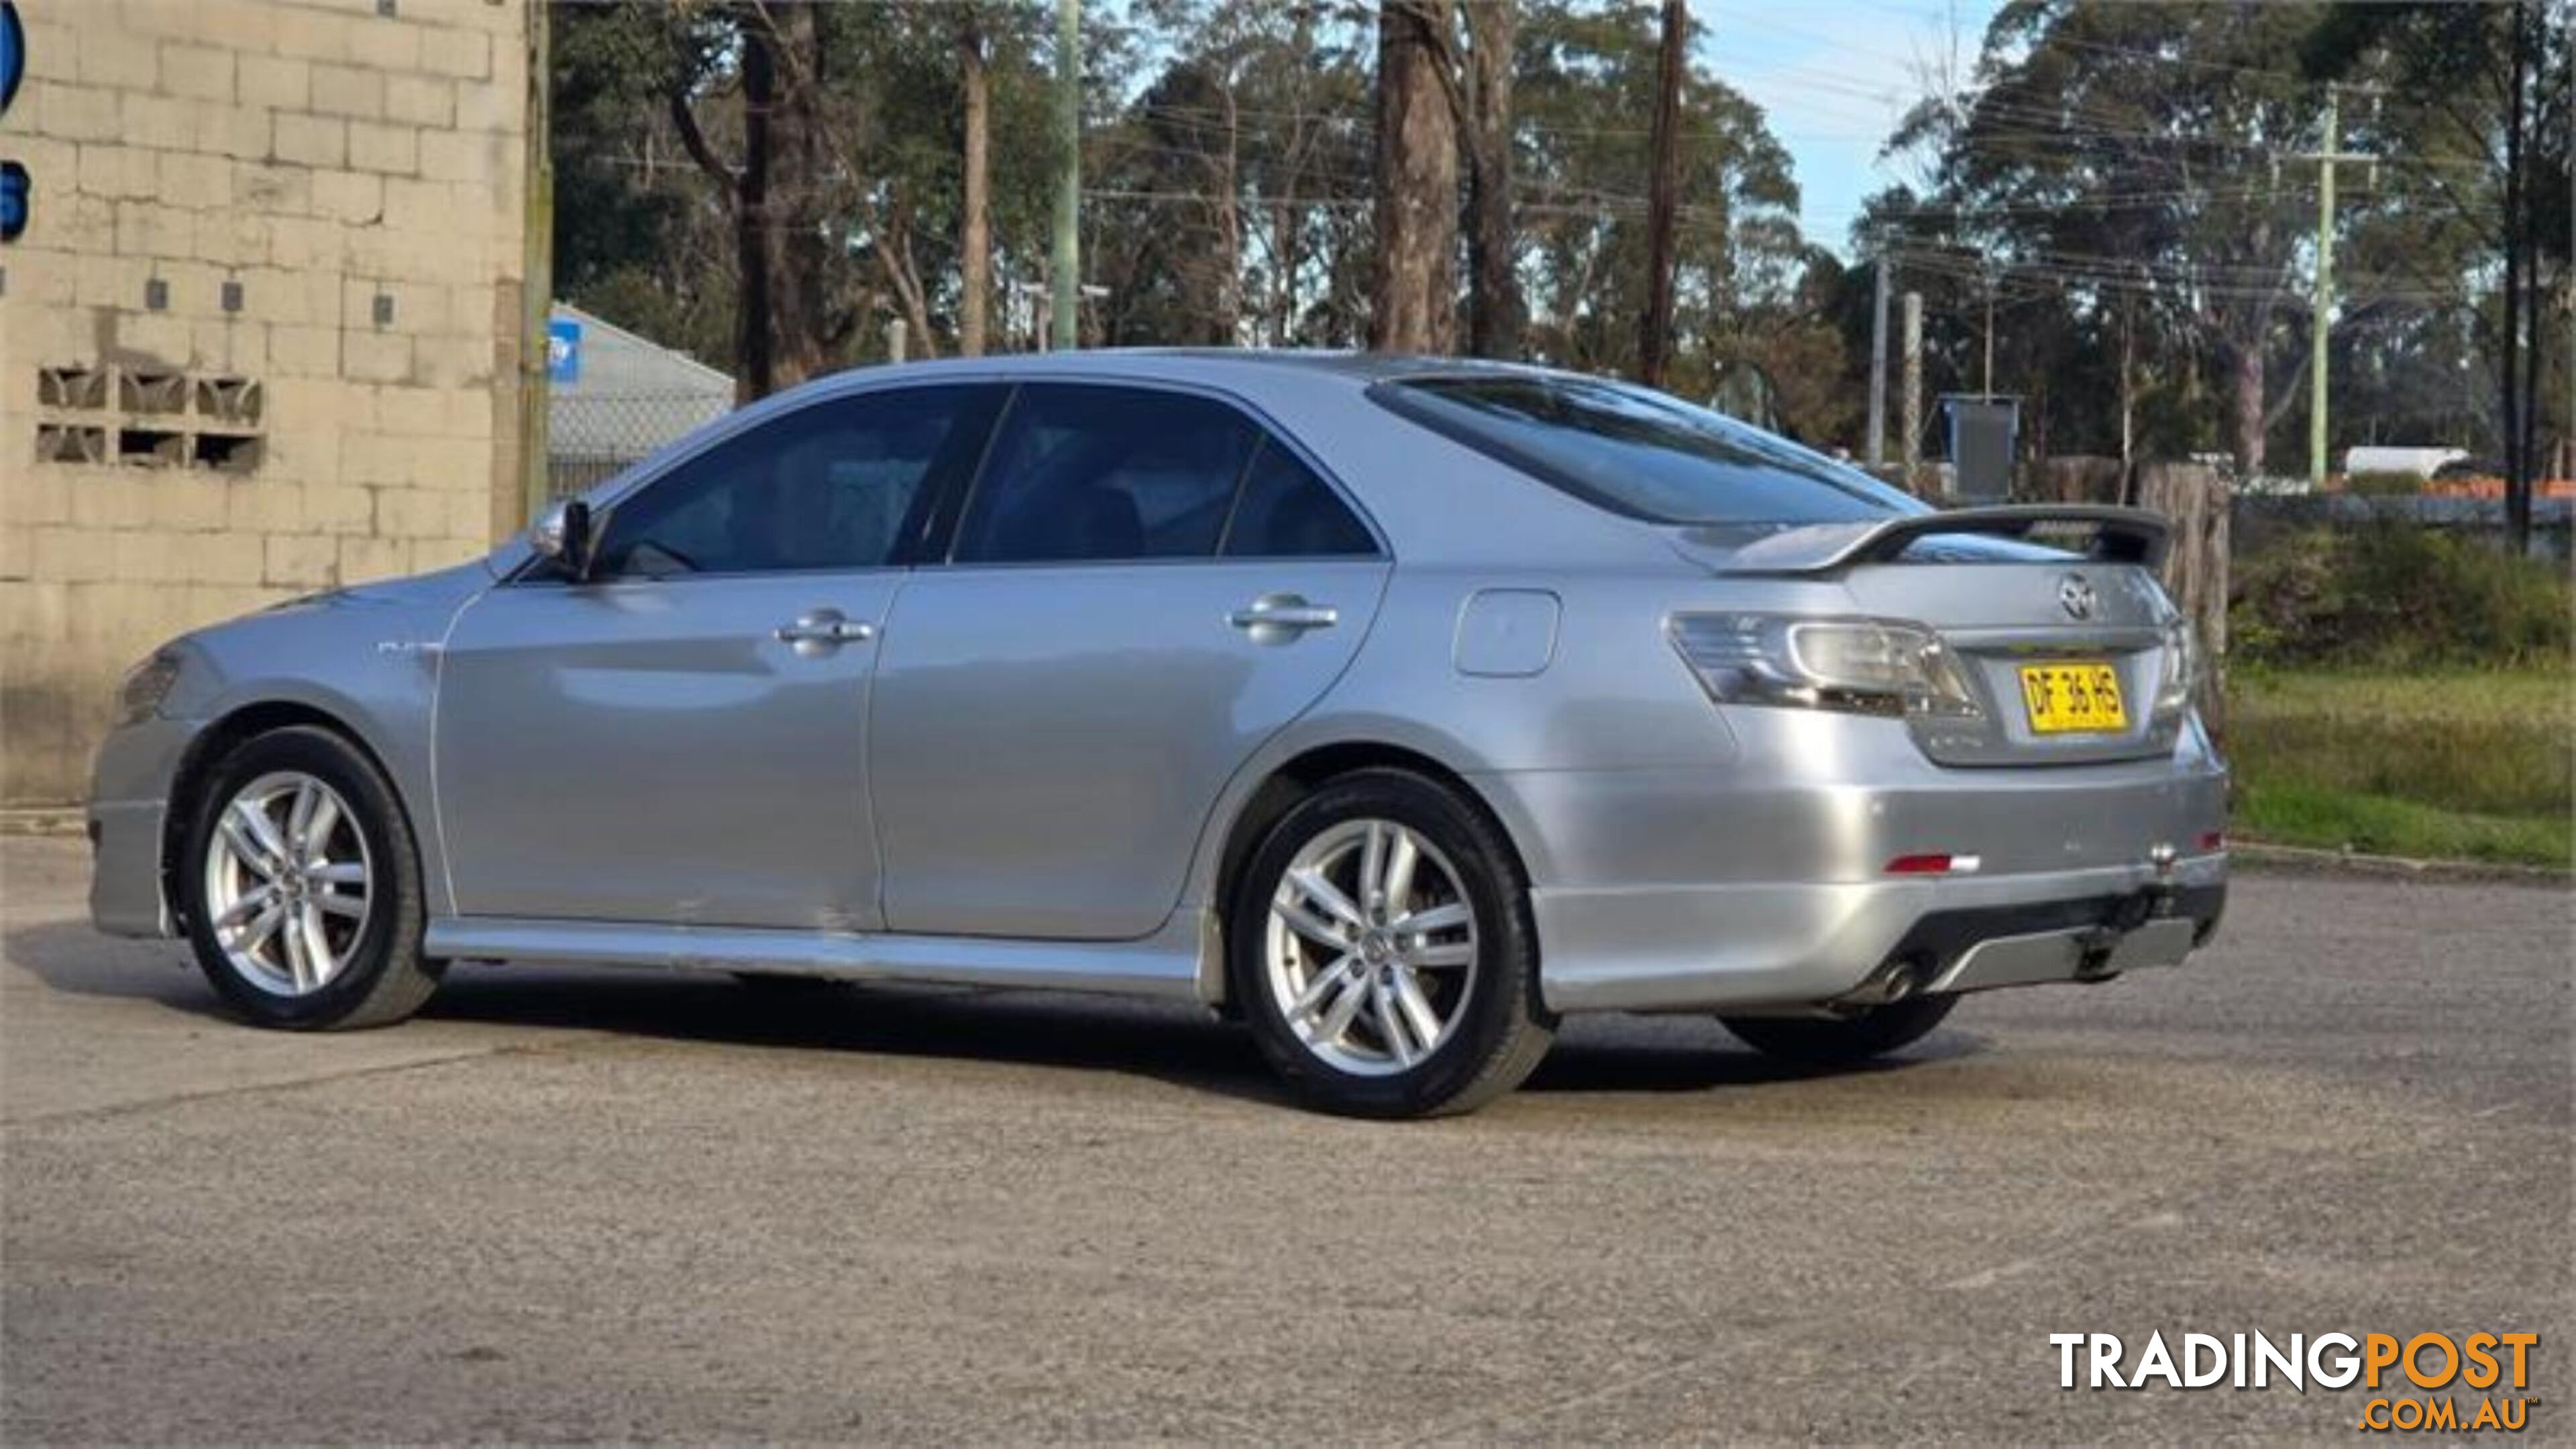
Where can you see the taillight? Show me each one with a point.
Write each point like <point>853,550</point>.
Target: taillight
<point>2180,671</point>
<point>1860,666</point>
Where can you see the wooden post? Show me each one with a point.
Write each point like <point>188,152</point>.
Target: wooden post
<point>2195,498</point>
<point>1912,451</point>
<point>896,335</point>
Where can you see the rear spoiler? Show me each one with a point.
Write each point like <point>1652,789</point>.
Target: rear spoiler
<point>2117,535</point>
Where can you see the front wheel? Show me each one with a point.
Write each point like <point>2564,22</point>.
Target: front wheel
<point>302,886</point>
<point>1842,1041</point>
<point>1381,947</point>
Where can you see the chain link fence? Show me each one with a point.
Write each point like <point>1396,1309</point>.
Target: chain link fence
<point>593,437</point>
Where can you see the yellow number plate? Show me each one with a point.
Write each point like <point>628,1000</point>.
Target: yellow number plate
<point>2072,698</point>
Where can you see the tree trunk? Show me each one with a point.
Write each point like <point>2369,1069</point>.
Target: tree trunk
<point>1495,313</point>
<point>1417,181</point>
<point>2195,500</point>
<point>799,251</point>
<point>2248,365</point>
<point>754,373</point>
<point>1663,197</point>
<point>975,244</point>
<point>2517,266</point>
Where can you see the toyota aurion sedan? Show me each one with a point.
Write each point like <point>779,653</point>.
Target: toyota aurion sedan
<point>1393,706</point>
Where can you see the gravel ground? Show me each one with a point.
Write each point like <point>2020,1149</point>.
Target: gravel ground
<point>591,1205</point>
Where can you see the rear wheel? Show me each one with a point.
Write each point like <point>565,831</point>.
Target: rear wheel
<point>302,886</point>
<point>1381,948</point>
<point>1841,1041</point>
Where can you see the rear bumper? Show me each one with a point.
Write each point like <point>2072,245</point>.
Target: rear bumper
<point>1686,948</point>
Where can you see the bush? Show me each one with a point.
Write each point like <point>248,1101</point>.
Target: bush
<point>2396,595</point>
<point>2384,485</point>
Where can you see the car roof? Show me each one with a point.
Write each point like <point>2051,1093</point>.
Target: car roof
<point>1242,365</point>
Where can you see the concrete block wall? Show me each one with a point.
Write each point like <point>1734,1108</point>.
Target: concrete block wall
<point>355,171</point>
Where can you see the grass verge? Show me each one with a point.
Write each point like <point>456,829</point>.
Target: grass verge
<point>2471,765</point>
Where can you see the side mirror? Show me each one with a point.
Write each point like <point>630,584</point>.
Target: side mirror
<point>563,534</point>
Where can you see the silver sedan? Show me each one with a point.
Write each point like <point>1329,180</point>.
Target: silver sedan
<point>1392,706</point>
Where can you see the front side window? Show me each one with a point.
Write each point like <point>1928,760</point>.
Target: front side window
<point>1100,474</point>
<point>1639,452</point>
<point>835,485</point>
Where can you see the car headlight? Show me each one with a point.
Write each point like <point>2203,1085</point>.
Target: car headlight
<point>139,697</point>
<point>1861,666</point>
<point>2179,674</point>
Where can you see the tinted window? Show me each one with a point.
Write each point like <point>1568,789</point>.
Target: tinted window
<point>1642,453</point>
<point>1288,512</point>
<point>1103,473</point>
<point>830,486</point>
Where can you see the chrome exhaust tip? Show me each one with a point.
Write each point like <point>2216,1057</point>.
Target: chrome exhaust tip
<point>1891,983</point>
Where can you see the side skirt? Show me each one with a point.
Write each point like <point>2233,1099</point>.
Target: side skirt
<point>1180,962</point>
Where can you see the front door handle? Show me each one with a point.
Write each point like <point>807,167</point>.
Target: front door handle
<point>824,630</point>
<point>1281,618</point>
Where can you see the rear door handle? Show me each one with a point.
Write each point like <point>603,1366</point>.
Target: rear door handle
<point>1279,618</point>
<point>824,629</point>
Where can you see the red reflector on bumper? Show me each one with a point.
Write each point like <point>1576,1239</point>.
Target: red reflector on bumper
<point>1934,865</point>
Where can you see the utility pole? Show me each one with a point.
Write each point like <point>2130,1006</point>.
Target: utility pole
<point>1911,452</point>
<point>2320,320</point>
<point>1067,267</point>
<point>1989,388</point>
<point>1663,199</point>
<point>1878,365</point>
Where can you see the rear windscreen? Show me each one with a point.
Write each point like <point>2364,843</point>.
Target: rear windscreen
<point>1641,453</point>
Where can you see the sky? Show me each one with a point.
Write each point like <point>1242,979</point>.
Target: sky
<point>1834,77</point>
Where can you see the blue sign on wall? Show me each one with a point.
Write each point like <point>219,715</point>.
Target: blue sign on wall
<point>563,350</point>
<point>15,189</point>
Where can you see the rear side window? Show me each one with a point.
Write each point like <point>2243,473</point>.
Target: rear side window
<point>1096,474</point>
<point>1641,453</point>
<point>1288,512</point>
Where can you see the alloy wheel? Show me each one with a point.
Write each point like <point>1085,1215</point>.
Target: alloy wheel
<point>1370,947</point>
<point>289,883</point>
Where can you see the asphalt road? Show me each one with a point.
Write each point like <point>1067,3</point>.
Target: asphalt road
<point>588,1205</point>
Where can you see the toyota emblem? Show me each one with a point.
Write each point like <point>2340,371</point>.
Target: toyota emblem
<point>2075,595</point>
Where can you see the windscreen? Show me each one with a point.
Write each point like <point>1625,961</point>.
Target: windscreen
<point>1641,453</point>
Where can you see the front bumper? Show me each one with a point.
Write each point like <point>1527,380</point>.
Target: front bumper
<point>128,810</point>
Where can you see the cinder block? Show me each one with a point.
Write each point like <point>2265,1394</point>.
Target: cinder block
<point>300,243</point>
<point>238,347</point>
<point>420,100</point>
<point>470,157</point>
<point>348,196</point>
<point>298,560</point>
<point>164,122</point>
<point>223,558</point>
<point>363,559</point>
<point>70,113</point>
<point>490,106</point>
<point>196,182</point>
<point>281,83</point>
<point>116,171</point>
<point>265,506</point>
<point>465,54</point>
<point>199,71</point>
<point>308,34</point>
<point>62,555</point>
<point>311,140</point>
<point>385,43</point>
<point>418,411</point>
<point>149,229</point>
<point>339,507</point>
<point>156,337</point>
<point>269,186</point>
<point>454,360</point>
<point>122,60</point>
<point>340,90</point>
<point>391,149</point>
<point>304,351</point>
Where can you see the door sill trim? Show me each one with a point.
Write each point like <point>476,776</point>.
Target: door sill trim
<point>1175,963</point>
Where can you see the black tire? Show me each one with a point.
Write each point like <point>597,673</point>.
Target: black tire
<point>1818,1042</point>
<point>1502,1028</point>
<point>779,983</point>
<point>385,978</point>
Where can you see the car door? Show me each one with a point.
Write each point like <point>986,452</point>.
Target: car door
<point>1144,584</point>
<point>681,736</point>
